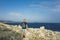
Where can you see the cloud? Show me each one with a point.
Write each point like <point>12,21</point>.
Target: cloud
<point>14,16</point>
<point>45,9</point>
<point>56,9</point>
<point>19,17</point>
<point>50,10</point>
<point>47,6</point>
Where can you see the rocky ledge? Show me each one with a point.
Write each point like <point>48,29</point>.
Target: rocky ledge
<point>10,32</point>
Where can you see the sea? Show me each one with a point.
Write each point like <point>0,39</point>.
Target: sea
<point>50,26</point>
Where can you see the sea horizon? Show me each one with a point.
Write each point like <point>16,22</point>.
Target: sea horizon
<point>50,26</point>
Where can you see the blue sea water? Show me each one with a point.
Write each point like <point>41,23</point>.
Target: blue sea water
<point>50,26</point>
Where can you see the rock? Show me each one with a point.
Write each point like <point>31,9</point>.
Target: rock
<point>8,32</point>
<point>20,27</point>
<point>42,27</point>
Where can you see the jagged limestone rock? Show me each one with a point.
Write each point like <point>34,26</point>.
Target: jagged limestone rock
<point>20,26</point>
<point>41,28</point>
<point>8,32</point>
<point>41,34</point>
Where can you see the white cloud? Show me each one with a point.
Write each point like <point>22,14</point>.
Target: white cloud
<point>51,6</point>
<point>50,10</point>
<point>57,9</point>
<point>43,7</point>
<point>18,16</point>
<point>14,16</point>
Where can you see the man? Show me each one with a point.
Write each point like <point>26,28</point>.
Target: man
<point>24,27</point>
<point>24,24</point>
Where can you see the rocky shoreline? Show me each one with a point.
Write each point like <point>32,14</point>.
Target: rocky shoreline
<point>10,32</point>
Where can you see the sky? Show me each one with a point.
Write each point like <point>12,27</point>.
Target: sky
<point>47,11</point>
